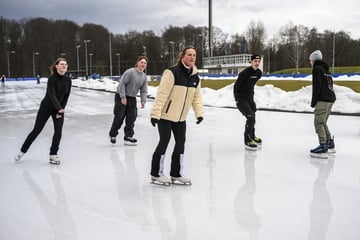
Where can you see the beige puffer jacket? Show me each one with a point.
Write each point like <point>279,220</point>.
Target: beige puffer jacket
<point>177,92</point>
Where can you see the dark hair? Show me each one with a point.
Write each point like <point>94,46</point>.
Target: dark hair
<point>182,54</point>
<point>53,68</point>
<point>140,58</point>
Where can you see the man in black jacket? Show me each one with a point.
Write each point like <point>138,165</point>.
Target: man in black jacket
<point>244,97</point>
<point>323,98</point>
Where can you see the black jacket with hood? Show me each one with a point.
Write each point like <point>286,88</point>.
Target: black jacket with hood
<point>322,84</point>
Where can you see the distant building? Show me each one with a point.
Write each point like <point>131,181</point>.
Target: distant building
<point>229,64</point>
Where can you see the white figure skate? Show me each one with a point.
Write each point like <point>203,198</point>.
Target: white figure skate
<point>162,180</point>
<point>54,159</point>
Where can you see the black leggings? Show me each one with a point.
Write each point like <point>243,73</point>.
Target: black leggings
<point>248,109</point>
<point>42,116</point>
<point>165,128</point>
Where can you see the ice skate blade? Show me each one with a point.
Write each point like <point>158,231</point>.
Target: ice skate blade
<point>177,182</point>
<point>155,182</point>
<point>130,144</point>
<point>54,162</point>
<point>251,148</point>
<point>319,155</point>
<point>331,151</point>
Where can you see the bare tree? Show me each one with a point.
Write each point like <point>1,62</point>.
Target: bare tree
<point>255,35</point>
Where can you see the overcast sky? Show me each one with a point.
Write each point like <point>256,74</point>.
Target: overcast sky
<point>232,16</point>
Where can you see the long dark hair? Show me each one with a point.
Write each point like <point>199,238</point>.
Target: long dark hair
<point>53,68</point>
<point>140,58</point>
<point>182,54</point>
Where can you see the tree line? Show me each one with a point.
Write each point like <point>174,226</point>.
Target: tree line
<point>30,45</point>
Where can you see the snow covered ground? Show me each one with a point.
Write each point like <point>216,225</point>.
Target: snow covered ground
<point>266,97</point>
<point>102,191</point>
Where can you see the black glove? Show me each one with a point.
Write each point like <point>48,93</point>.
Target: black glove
<point>154,121</point>
<point>199,120</point>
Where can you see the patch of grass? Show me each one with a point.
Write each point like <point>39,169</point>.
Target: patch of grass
<point>286,85</point>
<point>350,69</point>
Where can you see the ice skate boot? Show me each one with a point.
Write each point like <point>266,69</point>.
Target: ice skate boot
<point>181,180</point>
<point>162,180</point>
<point>257,140</point>
<point>250,145</point>
<point>320,151</point>
<point>54,159</point>
<point>113,140</point>
<point>331,146</point>
<point>19,156</point>
<point>130,141</point>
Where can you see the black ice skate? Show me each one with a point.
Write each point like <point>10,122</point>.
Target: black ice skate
<point>181,180</point>
<point>162,180</point>
<point>331,146</point>
<point>54,159</point>
<point>320,151</point>
<point>130,141</point>
<point>113,140</point>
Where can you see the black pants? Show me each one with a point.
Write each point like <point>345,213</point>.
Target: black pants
<point>121,112</point>
<point>42,116</point>
<point>248,109</point>
<point>165,128</point>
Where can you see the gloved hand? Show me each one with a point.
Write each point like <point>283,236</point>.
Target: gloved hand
<point>199,120</point>
<point>154,121</point>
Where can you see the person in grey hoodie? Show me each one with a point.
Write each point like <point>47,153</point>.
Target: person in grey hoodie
<point>323,98</point>
<point>133,80</point>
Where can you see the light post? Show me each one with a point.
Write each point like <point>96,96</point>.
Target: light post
<point>172,51</point>
<point>144,48</point>
<point>118,57</point>
<point>77,60</point>
<point>33,58</point>
<point>86,61</point>
<point>333,54</point>
<point>110,55</point>
<point>8,61</point>
<point>90,55</point>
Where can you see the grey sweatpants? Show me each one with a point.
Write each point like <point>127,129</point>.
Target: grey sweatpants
<point>321,115</point>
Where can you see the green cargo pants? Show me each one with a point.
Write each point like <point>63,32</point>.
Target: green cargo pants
<point>321,115</point>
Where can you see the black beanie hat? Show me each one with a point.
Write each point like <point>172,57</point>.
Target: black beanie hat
<point>255,56</point>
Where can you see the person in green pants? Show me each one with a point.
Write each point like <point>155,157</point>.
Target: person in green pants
<point>323,98</point>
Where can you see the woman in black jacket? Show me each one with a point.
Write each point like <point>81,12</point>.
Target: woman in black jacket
<point>53,104</point>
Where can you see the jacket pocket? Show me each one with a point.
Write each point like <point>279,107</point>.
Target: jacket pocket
<point>168,106</point>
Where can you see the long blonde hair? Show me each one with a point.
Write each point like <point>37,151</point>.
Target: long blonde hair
<point>182,54</point>
<point>53,66</point>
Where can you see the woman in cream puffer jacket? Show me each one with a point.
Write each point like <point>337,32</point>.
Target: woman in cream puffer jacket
<point>179,89</point>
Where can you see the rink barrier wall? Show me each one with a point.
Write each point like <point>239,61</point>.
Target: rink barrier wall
<point>22,79</point>
<point>222,76</point>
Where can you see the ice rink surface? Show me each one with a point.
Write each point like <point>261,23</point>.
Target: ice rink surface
<point>102,191</point>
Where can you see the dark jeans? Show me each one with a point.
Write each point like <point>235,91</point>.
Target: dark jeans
<point>121,112</point>
<point>41,119</point>
<point>248,109</point>
<point>165,128</point>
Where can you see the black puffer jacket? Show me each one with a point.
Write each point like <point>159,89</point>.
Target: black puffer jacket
<point>322,84</point>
